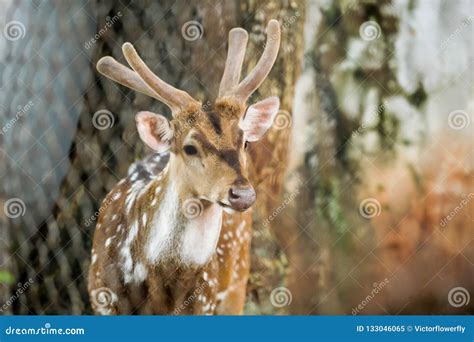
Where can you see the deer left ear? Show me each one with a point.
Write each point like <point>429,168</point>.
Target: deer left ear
<point>155,130</point>
<point>259,118</point>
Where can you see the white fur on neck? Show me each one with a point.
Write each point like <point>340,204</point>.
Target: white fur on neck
<point>164,226</point>
<point>201,235</point>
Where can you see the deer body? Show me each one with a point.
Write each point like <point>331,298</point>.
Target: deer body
<point>163,243</point>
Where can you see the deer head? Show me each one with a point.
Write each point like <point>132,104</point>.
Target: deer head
<point>207,145</point>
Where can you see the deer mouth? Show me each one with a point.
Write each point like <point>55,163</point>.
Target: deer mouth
<point>223,205</point>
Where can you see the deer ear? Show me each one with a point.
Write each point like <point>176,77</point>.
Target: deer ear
<point>259,118</point>
<point>155,130</point>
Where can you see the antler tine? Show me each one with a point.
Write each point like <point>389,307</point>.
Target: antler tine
<point>264,65</point>
<point>172,97</point>
<point>119,73</point>
<point>238,38</point>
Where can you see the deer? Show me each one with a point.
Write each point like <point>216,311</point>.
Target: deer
<point>173,236</point>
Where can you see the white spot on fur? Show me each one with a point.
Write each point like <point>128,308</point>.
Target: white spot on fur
<point>116,196</point>
<point>134,176</point>
<point>140,273</point>
<point>109,241</point>
<point>94,258</point>
<point>126,254</point>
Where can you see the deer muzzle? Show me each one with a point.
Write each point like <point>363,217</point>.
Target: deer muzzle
<point>241,197</point>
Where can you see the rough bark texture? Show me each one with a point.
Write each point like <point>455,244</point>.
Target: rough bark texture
<point>366,124</point>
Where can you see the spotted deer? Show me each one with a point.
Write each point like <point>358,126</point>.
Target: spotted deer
<point>173,237</point>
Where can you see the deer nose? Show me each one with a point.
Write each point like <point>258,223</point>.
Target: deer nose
<point>241,197</point>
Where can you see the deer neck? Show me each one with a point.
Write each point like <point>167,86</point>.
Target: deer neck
<point>173,235</point>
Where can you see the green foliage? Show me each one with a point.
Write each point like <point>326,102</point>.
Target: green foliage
<point>6,277</point>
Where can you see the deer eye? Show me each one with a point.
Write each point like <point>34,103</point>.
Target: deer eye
<point>246,144</point>
<point>190,150</point>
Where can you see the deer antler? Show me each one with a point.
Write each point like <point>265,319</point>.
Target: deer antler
<point>143,79</point>
<point>119,73</point>
<point>237,44</point>
<point>235,57</point>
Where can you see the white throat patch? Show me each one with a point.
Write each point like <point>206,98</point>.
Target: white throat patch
<point>201,235</point>
<point>163,227</point>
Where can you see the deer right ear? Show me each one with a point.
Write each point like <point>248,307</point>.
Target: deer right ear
<point>155,130</point>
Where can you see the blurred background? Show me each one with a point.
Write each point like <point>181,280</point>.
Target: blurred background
<point>366,203</point>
